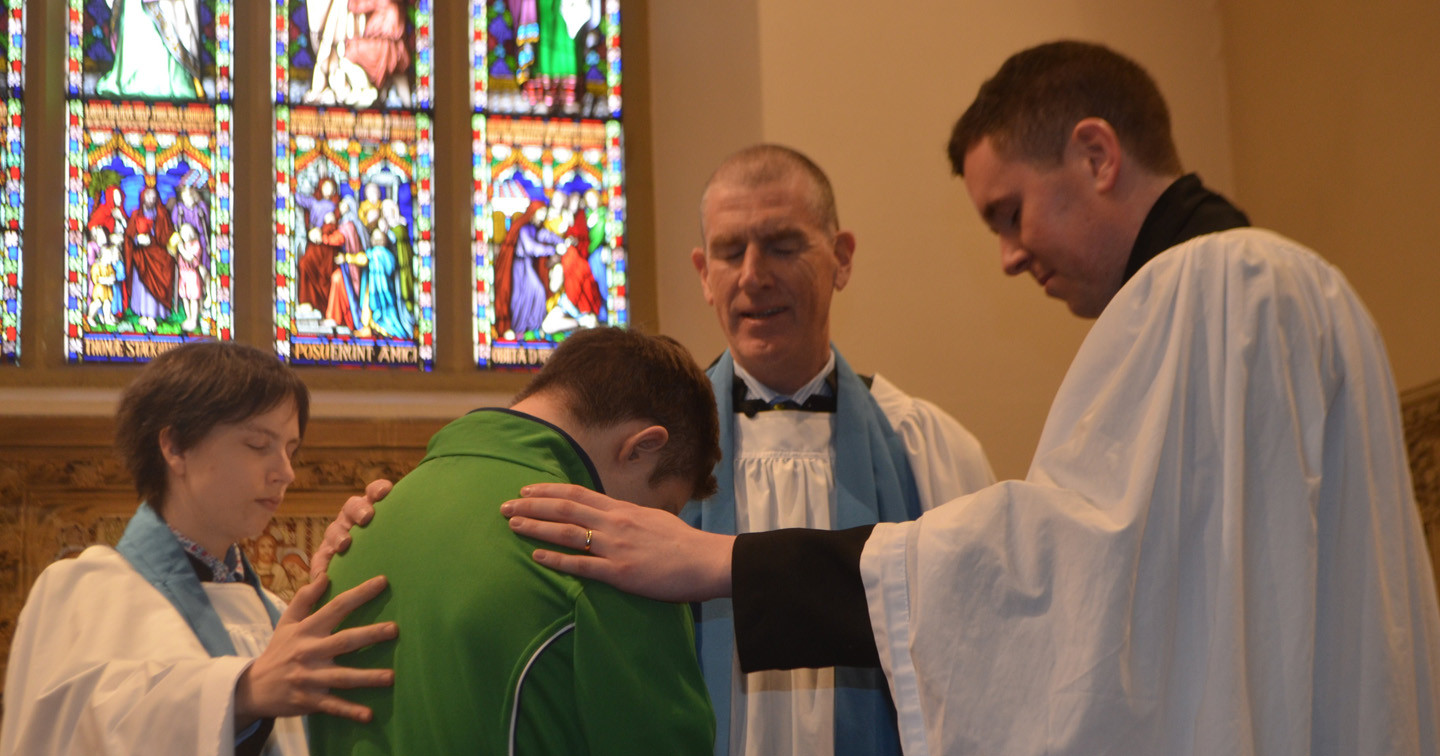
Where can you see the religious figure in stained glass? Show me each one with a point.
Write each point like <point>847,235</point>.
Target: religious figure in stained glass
<point>136,30</point>
<point>354,201</point>
<point>549,218</point>
<point>550,57</point>
<point>149,152</point>
<point>149,253</point>
<point>359,290</point>
<point>152,49</point>
<point>554,260</point>
<point>353,53</point>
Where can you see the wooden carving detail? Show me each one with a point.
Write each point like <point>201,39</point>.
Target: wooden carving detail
<point>62,489</point>
<point>1421,411</point>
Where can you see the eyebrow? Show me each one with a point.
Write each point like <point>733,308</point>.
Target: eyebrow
<point>991,210</point>
<point>765,235</point>
<point>253,428</point>
<point>249,425</point>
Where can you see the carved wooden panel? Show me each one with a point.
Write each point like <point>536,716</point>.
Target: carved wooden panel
<point>1421,411</point>
<point>62,489</point>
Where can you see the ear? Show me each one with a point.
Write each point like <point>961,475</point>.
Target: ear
<point>174,458</point>
<point>702,266</point>
<point>844,257</point>
<point>1094,141</point>
<point>642,446</point>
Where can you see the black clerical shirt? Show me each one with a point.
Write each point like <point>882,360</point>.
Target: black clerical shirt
<point>798,596</point>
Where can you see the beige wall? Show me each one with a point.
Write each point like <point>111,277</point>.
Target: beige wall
<point>871,96</point>
<point>1335,137</point>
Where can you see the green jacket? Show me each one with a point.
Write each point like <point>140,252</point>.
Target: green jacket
<point>497,654</point>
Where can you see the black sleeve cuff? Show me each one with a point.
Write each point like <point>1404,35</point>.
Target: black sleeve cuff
<point>799,600</point>
<point>255,743</point>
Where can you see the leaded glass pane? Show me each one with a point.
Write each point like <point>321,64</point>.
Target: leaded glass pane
<point>354,199</point>
<point>549,225</point>
<point>12,175</point>
<point>148,184</point>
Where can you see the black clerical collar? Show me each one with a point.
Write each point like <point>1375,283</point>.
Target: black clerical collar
<point>820,401</point>
<point>1185,210</point>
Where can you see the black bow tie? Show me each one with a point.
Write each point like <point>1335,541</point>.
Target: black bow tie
<point>816,402</point>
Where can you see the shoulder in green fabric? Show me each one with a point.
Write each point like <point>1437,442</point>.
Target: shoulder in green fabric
<point>477,433</point>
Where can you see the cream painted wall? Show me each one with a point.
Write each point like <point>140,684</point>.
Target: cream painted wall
<point>1335,138</point>
<point>872,96</point>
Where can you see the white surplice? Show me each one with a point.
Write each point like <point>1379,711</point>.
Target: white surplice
<point>1216,550</point>
<point>784,478</point>
<point>103,664</point>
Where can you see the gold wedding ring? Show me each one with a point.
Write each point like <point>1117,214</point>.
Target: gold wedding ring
<point>589,535</point>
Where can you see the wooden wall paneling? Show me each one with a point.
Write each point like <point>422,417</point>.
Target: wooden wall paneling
<point>1420,409</point>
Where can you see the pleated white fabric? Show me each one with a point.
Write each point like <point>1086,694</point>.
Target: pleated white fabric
<point>103,664</point>
<point>785,478</point>
<point>1216,550</point>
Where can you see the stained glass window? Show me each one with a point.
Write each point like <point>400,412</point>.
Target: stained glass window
<point>549,225</point>
<point>148,181</point>
<point>12,166</point>
<point>354,197</point>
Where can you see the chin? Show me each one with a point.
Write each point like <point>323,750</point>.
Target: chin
<point>1087,310</point>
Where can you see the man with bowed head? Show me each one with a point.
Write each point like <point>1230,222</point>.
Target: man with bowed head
<point>500,654</point>
<point>807,441</point>
<point>1217,548</point>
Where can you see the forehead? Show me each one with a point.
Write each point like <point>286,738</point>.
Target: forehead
<point>280,419</point>
<point>672,492</point>
<point>996,181</point>
<point>732,207</point>
<point>987,171</point>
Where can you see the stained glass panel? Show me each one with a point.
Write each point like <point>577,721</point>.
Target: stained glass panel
<point>12,171</point>
<point>354,199</point>
<point>148,184</point>
<point>549,225</point>
<point>353,238</point>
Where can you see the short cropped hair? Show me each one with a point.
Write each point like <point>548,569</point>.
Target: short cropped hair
<point>1030,106</point>
<point>761,164</point>
<point>190,390</point>
<point>611,375</point>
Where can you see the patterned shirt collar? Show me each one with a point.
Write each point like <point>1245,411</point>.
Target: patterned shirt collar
<point>230,570</point>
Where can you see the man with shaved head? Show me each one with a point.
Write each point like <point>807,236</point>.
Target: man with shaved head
<point>807,442</point>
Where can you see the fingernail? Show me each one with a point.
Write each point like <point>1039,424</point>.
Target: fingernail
<point>516,522</point>
<point>507,508</point>
<point>525,491</point>
<point>541,557</point>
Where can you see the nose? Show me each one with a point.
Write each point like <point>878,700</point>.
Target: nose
<point>1013,257</point>
<point>754,269</point>
<point>285,470</point>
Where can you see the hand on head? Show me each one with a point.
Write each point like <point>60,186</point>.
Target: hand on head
<point>645,551</point>
<point>357,511</point>
<point>295,673</point>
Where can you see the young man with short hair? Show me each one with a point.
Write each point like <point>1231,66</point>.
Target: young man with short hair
<point>497,654</point>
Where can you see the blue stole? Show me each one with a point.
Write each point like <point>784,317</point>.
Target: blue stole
<point>873,483</point>
<point>150,547</point>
